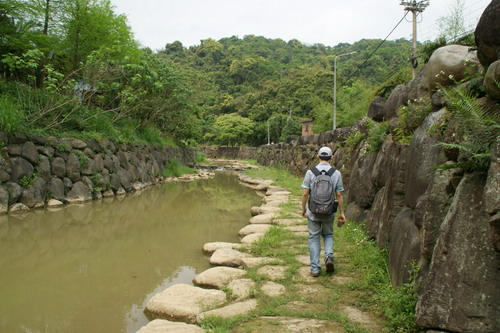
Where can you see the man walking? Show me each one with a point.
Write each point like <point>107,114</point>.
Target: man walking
<point>320,216</point>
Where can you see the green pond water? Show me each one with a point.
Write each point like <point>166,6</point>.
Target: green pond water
<point>93,267</point>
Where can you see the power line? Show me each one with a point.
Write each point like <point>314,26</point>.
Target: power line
<point>379,45</point>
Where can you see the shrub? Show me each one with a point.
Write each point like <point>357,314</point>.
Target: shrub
<point>176,169</point>
<point>27,180</point>
<point>376,135</point>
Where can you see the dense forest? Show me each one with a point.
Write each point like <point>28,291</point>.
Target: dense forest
<point>73,68</point>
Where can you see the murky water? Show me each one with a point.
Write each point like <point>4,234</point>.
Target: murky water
<point>93,267</point>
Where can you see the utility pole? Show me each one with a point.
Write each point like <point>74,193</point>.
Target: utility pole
<point>415,7</point>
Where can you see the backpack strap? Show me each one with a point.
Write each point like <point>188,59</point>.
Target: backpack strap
<point>316,171</point>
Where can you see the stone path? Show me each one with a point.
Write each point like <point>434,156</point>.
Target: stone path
<point>242,284</point>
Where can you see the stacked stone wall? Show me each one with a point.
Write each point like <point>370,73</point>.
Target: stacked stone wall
<point>35,171</point>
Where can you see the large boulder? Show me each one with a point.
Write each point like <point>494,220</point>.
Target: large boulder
<point>491,195</point>
<point>79,193</point>
<point>487,36</point>
<point>30,152</point>
<point>73,167</point>
<point>182,302</point>
<point>34,195</point>
<point>404,249</point>
<point>362,190</point>
<point>20,168</point>
<point>376,111</point>
<point>492,80</point>
<point>449,64</point>
<point>423,156</point>
<point>4,200</point>
<point>56,188</point>
<point>58,167</point>
<point>461,291</point>
<point>398,98</point>
<point>431,210</point>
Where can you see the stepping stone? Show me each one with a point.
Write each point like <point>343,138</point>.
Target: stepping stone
<point>241,288</point>
<point>363,319</point>
<point>254,262</point>
<point>301,234</point>
<point>254,228</point>
<point>290,325</point>
<point>301,307</point>
<point>298,228</point>
<point>305,273</point>
<point>263,219</point>
<point>233,310</point>
<point>182,302</point>
<point>341,279</point>
<point>276,189</point>
<point>263,210</point>
<point>212,247</point>
<point>273,272</point>
<point>252,238</point>
<point>273,204</point>
<point>54,203</point>
<point>290,222</point>
<point>280,199</point>
<point>273,289</point>
<point>165,326</point>
<point>228,257</point>
<point>217,277</point>
<point>278,192</point>
<point>304,260</point>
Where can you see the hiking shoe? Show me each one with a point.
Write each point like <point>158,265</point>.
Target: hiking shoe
<point>315,274</point>
<point>330,267</point>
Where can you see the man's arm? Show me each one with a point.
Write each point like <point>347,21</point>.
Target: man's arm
<point>341,217</point>
<point>305,196</point>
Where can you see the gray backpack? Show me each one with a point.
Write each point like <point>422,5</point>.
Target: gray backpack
<point>322,196</point>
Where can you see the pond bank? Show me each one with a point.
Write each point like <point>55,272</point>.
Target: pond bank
<point>263,283</point>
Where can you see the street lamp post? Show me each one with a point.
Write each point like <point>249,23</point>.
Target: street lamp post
<point>335,86</point>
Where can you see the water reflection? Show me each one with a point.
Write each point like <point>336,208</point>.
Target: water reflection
<point>92,267</point>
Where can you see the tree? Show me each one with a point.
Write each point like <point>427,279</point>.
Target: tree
<point>452,26</point>
<point>232,129</point>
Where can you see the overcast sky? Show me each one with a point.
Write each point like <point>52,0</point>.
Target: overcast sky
<point>329,22</point>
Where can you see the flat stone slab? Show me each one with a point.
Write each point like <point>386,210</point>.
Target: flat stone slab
<point>272,289</point>
<point>305,274</point>
<point>263,219</point>
<point>252,238</point>
<point>241,288</point>
<point>278,192</point>
<point>363,319</point>
<point>210,248</point>
<point>228,257</point>
<point>217,277</point>
<point>338,279</point>
<point>254,228</point>
<point>232,310</point>
<point>290,222</point>
<point>182,302</point>
<point>297,228</point>
<point>272,272</point>
<point>304,260</point>
<point>254,262</point>
<point>165,326</point>
<point>279,199</point>
<point>258,210</point>
<point>301,234</point>
<point>290,325</point>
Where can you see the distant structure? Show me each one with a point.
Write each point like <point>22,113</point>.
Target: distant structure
<point>307,127</point>
<point>415,7</point>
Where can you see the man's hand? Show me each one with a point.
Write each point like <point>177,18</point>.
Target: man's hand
<point>340,220</point>
<point>303,213</point>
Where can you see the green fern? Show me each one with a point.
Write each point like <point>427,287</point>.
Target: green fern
<point>478,130</point>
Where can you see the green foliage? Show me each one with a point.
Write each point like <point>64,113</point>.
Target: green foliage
<point>475,130</point>
<point>199,157</point>
<point>354,138</point>
<point>82,158</point>
<point>232,129</point>
<point>397,303</point>
<point>27,180</point>
<point>96,179</point>
<point>176,169</point>
<point>411,116</point>
<point>376,135</point>
<point>11,115</point>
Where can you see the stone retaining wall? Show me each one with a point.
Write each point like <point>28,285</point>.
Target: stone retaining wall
<point>35,170</point>
<point>242,153</point>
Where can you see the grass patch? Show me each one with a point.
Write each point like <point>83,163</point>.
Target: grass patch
<point>176,169</point>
